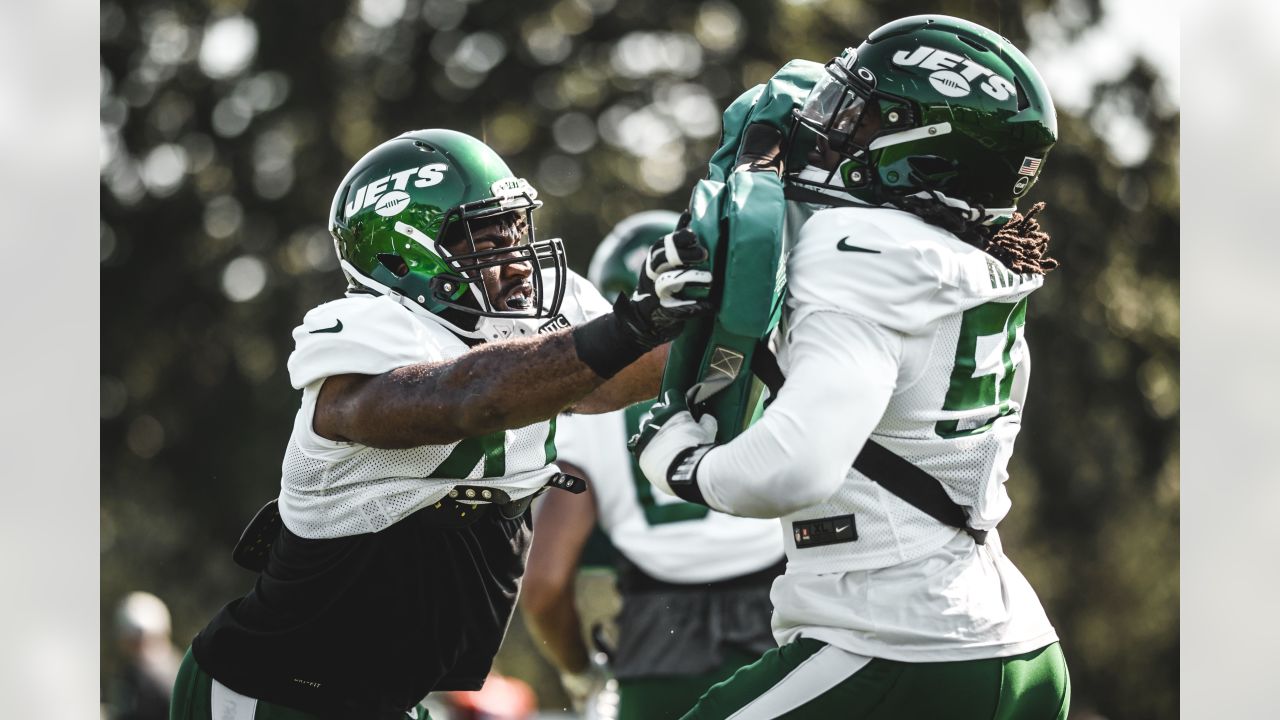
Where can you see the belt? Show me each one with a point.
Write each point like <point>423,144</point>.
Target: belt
<point>466,504</point>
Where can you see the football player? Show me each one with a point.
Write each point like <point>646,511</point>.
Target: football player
<point>694,582</point>
<point>421,440</point>
<point>902,345</point>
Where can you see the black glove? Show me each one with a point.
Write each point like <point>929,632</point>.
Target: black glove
<point>761,150</point>
<point>669,294</point>
<point>648,323</point>
<point>670,291</point>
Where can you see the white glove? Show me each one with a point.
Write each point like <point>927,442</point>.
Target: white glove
<point>584,686</point>
<point>676,435</point>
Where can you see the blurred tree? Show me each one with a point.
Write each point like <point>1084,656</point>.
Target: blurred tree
<point>226,124</point>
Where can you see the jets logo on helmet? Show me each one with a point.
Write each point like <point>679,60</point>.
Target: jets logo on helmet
<point>953,73</point>
<point>392,203</point>
<point>371,193</point>
<point>408,233</point>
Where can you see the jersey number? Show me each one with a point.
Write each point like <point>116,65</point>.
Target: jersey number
<point>982,376</point>
<point>654,513</point>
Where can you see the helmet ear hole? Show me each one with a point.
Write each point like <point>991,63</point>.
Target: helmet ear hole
<point>394,263</point>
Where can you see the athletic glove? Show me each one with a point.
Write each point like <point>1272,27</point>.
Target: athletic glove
<point>586,688</point>
<point>671,291</point>
<point>670,459</point>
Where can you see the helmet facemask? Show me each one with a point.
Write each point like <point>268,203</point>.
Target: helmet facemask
<point>479,241</point>
<point>850,120</point>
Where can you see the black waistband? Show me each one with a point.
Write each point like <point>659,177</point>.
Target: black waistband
<point>631,579</point>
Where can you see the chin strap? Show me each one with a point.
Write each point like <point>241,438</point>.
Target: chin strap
<point>818,185</point>
<point>981,215</point>
<point>821,183</point>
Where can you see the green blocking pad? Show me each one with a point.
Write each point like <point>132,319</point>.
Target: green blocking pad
<point>708,368</point>
<point>739,213</point>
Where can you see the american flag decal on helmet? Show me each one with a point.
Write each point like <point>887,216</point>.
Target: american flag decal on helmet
<point>1029,166</point>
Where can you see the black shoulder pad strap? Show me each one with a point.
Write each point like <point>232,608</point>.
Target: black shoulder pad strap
<point>892,472</point>
<point>764,364</point>
<point>923,491</point>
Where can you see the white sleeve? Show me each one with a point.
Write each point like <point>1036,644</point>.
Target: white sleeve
<point>842,373</point>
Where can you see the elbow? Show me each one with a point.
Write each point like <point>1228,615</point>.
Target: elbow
<point>816,481</point>
<point>802,484</point>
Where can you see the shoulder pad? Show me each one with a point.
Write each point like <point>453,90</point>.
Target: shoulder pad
<point>365,335</point>
<point>893,268</point>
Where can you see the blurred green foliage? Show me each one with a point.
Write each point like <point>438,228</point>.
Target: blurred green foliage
<point>227,124</point>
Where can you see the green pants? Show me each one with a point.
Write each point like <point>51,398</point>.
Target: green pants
<point>810,679</point>
<point>669,697</point>
<point>195,692</point>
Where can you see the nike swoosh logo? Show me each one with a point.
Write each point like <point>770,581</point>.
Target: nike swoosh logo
<point>845,246</point>
<point>842,529</point>
<point>337,327</point>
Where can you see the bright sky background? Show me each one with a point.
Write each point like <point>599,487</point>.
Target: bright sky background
<point>1129,28</point>
<point>1146,28</point>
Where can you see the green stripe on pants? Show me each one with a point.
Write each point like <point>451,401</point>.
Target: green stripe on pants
<point>809,679</point>
<point>669,697</point>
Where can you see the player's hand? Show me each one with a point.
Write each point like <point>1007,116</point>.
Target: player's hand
<point>673,288</point>
<point>678,249</point>
<point>676,439</point>
<point>584,687</point>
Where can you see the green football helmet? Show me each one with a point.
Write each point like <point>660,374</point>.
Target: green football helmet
<point>619,259</point>
<point>411,200</point>
<point>928,106</point>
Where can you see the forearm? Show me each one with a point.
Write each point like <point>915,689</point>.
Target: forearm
<point>492,387</point>
<point>640,380</point>
<point>556,627</point>
<point>800,450</point>
<point>561,525</point>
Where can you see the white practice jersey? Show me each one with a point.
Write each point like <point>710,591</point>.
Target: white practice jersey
<point>667,538</point>
<point>956,316</point>
<point>897,329</point>
<point>334,489</point>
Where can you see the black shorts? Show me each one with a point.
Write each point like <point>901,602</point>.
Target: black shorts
<point>667,629</point>
<point>365,626</point>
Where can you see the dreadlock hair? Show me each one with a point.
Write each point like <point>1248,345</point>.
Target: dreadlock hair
<point>1019,244</point>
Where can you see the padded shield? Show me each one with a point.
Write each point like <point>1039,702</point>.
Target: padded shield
<point>739,213</point>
